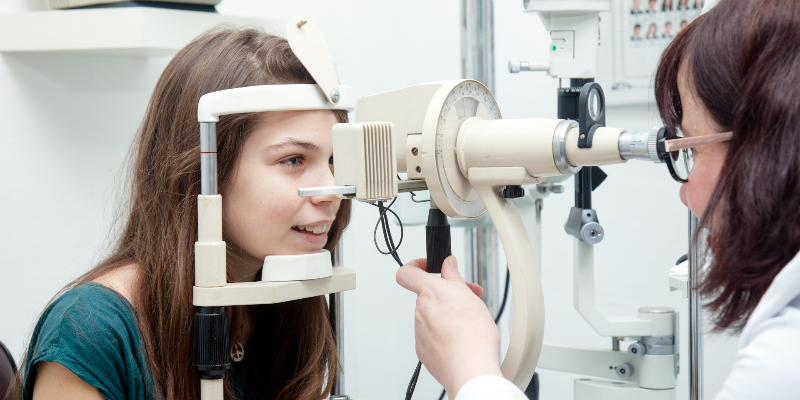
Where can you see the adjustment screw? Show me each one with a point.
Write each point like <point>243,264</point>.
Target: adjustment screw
<point>624,370</point>
<point>636,350</point>
<point>583,137</point>
<point>418,169</point>
<point>414,151</point>
<point>335,96</point>
<point>513,192</point>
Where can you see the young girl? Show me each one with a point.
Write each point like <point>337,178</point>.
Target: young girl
<point>123,329</point>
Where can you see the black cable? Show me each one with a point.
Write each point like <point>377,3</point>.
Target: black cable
<point>499,313</point>
<point>414,198</point>
<point>413,383</point>
<point>505,297</point>
<point>383,221</point>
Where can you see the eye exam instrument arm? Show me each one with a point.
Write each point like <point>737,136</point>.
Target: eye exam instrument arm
<point>449,138</point>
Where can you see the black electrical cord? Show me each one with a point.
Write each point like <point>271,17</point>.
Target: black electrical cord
<point>414,198</point>
<point>413,383</point>
<point>499,313</point>
<point>383,221</point>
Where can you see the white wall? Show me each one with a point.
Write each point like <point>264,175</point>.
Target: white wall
<point>68,122</point>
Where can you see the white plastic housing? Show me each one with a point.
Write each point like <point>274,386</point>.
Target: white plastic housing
<point>209,268</point>
<point>574,27</point>
<point>250,293</point>
<point>301,267</point>
<point>524,143</point>
<point>270,98</point>
<point>604,150</point>
<point>309,45</point>
<point>590,389</point>
<point>404,107</point>
<point>364,157</point>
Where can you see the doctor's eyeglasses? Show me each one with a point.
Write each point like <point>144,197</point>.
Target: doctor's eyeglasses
<point>677,153</point>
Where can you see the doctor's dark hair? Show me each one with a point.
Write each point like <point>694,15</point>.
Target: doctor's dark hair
<point>743,62</point>
<point>295,350</point>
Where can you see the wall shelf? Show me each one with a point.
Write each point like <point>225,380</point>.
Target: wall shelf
<point>133,31</point>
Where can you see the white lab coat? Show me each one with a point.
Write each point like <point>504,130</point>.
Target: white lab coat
<point>767,363</point>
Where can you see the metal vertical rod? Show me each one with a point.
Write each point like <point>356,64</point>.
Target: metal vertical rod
<point>477,41</point>
<point>477,62</point>
<point>695,315</point>
<point>482,264</point>
<point>336,309</point>
<point>208,158</point>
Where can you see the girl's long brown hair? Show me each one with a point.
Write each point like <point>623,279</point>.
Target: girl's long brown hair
<point>743,60</point>
<point>294,348</point>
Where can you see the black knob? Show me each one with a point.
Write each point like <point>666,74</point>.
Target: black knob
<point>437,240</point>
<point>211,354</point>
<point>513,192</point>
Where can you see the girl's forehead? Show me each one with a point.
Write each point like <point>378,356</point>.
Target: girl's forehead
<point>295,127</point>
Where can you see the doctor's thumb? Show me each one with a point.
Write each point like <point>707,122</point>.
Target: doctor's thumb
<point>450,270</point>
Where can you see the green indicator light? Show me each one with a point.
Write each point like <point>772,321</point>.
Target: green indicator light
<point>554,48</point>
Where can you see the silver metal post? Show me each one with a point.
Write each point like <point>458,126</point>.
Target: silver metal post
<point>695,315</point>
<point>336,307</point>
<point>477,41</point>
<point>477,62</point>
<point>208,158</point>
<point>482,264</point>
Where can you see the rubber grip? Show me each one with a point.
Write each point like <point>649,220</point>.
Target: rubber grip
<point>211,354</point>
<point>437,240</point>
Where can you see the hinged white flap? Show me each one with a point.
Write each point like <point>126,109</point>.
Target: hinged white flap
<point>309,45</point>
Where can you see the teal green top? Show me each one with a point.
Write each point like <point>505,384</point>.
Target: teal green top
<point>91,330</point>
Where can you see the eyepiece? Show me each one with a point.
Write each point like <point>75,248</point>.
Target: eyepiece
<point>640,145</point>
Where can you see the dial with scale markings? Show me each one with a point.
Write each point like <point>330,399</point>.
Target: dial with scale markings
<point>453,103</point>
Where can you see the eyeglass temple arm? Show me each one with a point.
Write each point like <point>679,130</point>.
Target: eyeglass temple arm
<point>685,143</point>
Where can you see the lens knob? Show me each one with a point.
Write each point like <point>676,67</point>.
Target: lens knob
<point>592,233</point>
<point>636,350</point>
<point>624,370</point>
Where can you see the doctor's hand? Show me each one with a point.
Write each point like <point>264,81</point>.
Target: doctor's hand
<point>456,337</point>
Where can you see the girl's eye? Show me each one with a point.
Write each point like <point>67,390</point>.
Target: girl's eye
<point>293,161</point>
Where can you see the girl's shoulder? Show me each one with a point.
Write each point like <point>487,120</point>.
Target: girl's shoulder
<point>92,331</point>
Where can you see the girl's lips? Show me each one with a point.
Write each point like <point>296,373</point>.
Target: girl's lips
<point>313,238</point>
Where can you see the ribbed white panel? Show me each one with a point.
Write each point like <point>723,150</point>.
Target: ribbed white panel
<point>381,169</point>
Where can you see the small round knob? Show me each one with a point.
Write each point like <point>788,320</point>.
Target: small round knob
<point>335,96</point>
<point>624,370</point>
<point>514,66</point>
<point>592,233</point>
<point>636,350</point>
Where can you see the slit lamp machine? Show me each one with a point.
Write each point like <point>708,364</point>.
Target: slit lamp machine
<point>450,139</point>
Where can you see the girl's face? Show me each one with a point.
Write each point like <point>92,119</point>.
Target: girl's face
<point>708,158</point>
<point>263,215</point>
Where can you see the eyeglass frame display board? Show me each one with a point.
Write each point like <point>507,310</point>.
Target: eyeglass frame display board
<point>627,66</point>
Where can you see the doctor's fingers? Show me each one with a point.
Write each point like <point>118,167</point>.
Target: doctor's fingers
<point>414,277</point>
<point>450,273</point>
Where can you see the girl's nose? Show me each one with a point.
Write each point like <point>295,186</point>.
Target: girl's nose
<point>325,178</point>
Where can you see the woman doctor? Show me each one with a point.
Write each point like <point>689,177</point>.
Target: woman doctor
<point>734,69</point>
